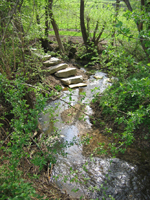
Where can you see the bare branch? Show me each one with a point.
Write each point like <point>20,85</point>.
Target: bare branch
<point>10,18</point>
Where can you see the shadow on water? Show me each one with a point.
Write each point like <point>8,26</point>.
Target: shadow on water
<point>94,177</point>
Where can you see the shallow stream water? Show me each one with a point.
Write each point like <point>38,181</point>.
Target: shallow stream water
<point>108,176</point>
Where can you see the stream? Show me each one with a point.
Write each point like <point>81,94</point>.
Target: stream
<point>104,176</point>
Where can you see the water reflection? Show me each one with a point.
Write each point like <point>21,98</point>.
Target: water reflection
<point>109,176</point>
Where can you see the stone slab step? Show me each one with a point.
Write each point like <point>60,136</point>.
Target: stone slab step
<point>41,57</point>
<point>45,58</point>
<point>66,72</point>
<point>58,67</point>
<point>52,61</point>
<point>72,80</point>
<point>77,85</point>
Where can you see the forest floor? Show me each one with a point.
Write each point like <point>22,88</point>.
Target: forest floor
<point>43,185</point>
<point>138,153</point>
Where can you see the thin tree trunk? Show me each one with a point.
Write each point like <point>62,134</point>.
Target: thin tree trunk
<point>95,31</point>
<point>100,34</point>
<point>82,23</point>
<point>55,27</point>
<point>114,22</point>
<point>128,5</point>
<point>139,25</point>
<point>44,41</point>
<point>19,29</point>
<point>46,21</point>
<point>17,20</point>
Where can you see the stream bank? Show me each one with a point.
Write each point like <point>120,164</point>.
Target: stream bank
<point>98,176</point>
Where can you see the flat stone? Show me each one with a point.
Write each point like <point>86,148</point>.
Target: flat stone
<point>98,77</point>
<point>66,72</point>
<point>45,58</point>
<point>77,85</point>
<point>58,67</point>
<point>72,80</point>
<point>41,57</point>
<point>33,49</point>
<point>109,80</point>
<point>52,61</point>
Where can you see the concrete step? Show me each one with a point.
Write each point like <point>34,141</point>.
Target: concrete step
<point>66,72</point>
<point>58,67</point>
<point>77,85</point>
<point>53,61</point>
<point>71,80</point>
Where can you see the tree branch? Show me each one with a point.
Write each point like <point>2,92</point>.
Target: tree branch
<point>10,18</point>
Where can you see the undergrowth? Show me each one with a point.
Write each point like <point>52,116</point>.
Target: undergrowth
<point>127,103</point>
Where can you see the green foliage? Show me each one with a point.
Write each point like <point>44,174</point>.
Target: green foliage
<point>15,189</point>
<point>118,62</point>
<point>88,53</point>
<point>128,103</point>
<point>23,124</point>
<point>58,88</point>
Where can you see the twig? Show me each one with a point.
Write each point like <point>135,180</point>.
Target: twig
<point>6,139</point>
<point>36,145</point>
<point>14,10</point>
<point>60,99</point>
<point>122,112</point>
<point>27,171</point>
<point>3,130</point>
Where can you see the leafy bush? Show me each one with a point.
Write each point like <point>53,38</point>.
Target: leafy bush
<point>23,124</point>
<point>128,103</point>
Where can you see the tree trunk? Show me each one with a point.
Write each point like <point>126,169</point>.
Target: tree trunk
<point>139,25</point>
<point>55,28</point>
<point>46,21</point>
<point>128,5</point>
<point>82,23</point>
<point>17,20</point>
<point>44,41</point>
<point>18,26</point>
<point>114,22</point>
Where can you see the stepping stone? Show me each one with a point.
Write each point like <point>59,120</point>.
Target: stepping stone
<point>33,49</point>
<point>77,85</point>
<point>58,67</point>
<point>71,80</point>
<point>98,77</point>
<point>43,58</point>
<point>66,72</point>
<point>109,80</point>
<point>52,61</point>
